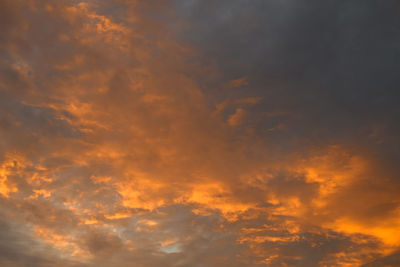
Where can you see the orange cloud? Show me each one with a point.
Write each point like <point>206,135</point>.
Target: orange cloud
<point>237,118</point>
<point>113,151</point>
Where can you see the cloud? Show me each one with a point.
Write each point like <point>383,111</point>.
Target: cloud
<point>199,133</point>
<point>237,117</point>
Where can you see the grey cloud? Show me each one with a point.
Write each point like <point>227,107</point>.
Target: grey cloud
<point>19,249</point>
<point>334,63</point>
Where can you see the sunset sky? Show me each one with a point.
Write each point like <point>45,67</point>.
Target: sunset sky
<point>191,133</point>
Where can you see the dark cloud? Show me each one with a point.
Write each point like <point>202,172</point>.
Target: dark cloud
<point>18,248</point>
<point>390,260</point>
<point>332,63</point>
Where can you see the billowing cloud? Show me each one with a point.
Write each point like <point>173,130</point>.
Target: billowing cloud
<point>199,133</point>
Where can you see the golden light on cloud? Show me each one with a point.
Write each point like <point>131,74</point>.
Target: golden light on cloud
<point>4,188</point>
<point>184,133</point>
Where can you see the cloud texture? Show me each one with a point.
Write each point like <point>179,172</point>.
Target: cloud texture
<point>199,133</point>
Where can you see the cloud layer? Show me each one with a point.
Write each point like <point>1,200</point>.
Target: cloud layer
<point>199,133</point>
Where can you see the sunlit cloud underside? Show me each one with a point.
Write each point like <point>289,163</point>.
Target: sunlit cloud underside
<point>199,133</point>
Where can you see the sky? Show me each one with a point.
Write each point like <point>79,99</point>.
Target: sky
<point>198,133</point>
